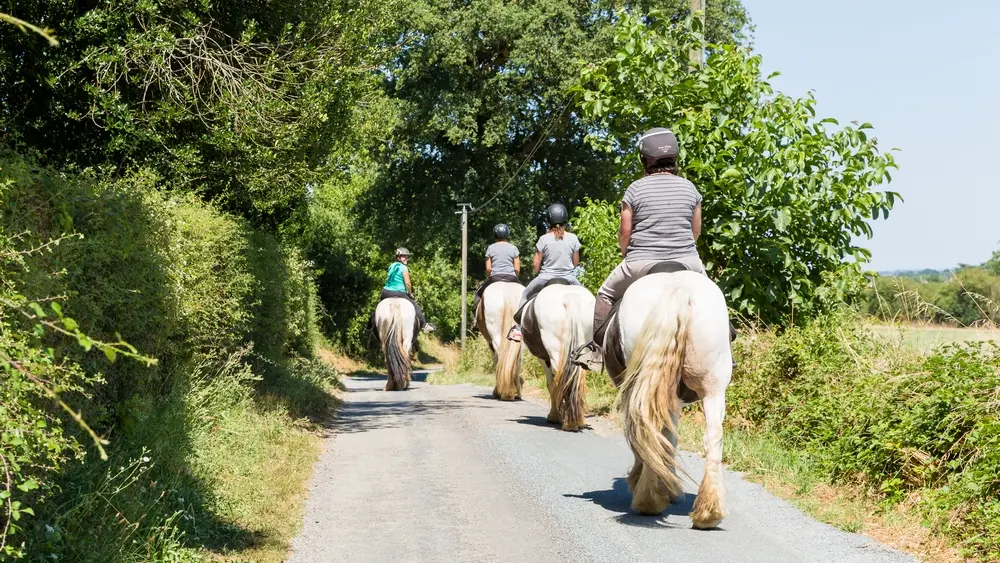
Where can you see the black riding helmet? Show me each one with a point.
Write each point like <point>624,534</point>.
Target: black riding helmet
<point>557,214</point>
<point>501,231</point>
<point>657,144</point>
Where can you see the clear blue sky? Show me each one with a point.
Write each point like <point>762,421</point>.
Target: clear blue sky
<point>927,76</point>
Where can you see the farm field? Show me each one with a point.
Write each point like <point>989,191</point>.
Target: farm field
<point>927,337</point>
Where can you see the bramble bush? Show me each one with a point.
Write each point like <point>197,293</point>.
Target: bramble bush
<point>863,407</point>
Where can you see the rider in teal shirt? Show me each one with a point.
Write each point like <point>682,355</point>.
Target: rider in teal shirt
<point>395,281</point>
<point>397,284</point>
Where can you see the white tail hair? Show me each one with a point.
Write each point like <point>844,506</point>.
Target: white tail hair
<point>570,379</point>
<point>508,370</point>
<point>649,402</point>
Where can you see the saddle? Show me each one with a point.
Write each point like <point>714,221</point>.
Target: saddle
<point>526,316</point>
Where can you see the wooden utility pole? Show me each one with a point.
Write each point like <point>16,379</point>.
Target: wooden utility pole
<point>465,262</point>
<point>698,11</point>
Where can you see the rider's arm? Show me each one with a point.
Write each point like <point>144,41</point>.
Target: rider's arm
<point>625,229</point>
<point>696,222</point>
<point>537,262</point>
<point>576,258</point>
<point>517,265</point>
<point>489,266</point>
<point>406,280</point>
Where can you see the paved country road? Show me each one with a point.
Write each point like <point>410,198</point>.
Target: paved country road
<point>447,474</point>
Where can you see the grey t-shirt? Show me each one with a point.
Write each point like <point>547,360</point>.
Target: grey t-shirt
<point>502,255</point>
<point>557,255</point>
<point>662,212</point>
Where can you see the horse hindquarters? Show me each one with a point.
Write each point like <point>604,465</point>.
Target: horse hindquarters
<point>649,401</point>
<point>397,357</point>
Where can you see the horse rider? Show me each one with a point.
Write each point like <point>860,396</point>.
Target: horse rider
<point>660,222</point>
<point>397,284</point>
<point>557,254</point>
<point>503,261</point>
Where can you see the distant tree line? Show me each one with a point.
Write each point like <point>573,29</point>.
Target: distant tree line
<point>965,296</point>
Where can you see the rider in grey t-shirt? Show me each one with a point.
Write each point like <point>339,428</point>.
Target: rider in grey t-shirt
<point>503,262</point>
<point>501,257</point>
<point>557,256</point>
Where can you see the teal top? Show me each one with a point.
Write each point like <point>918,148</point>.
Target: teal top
<point>395,281</point>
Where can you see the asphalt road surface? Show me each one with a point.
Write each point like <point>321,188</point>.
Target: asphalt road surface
<point>447,474</point>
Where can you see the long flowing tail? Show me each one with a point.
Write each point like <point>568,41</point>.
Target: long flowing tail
<point>397,360</point>
<point>508,358</point>
<point>649,401</point>
<point>571,381</point>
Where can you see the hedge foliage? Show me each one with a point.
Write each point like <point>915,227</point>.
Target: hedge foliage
<point>922,428</point>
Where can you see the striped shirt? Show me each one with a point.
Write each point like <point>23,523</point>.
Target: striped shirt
<point>662,211</point>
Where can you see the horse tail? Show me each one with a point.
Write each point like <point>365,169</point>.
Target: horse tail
<point>649,401</point>
<point>570,380</point>
<point>508,358</point>
<point>397,360</point>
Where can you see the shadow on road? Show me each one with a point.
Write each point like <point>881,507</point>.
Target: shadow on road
<point>534,421</point>
<point>619,499</point>
<point>365,416</point>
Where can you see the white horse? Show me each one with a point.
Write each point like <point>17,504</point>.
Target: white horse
<point>557,322</point>
<point>668,344</point>
<point>395,320</point>
<point>494,317</point>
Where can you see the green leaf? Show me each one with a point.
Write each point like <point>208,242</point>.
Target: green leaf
<point>29,485</point>
<point>110,353</point>
<point>38,310</point>
<point>732,173</point>
<point>782,218</point>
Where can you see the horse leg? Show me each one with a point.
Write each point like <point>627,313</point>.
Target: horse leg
<point>709,507</point>
<point>551,384</point>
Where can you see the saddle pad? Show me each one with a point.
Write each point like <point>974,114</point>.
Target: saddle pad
<point>531,336</point>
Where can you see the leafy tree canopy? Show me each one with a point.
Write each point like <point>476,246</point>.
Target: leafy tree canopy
<point>482,87</point>
<point>786,193</point>
<point>245,103</point>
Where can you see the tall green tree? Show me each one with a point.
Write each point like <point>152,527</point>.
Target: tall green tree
<point>482,87</point>
<point>785,193</point>
<point>245,103</point>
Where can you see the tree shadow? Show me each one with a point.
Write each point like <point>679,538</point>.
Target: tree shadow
<point>618,499</point>
<point>357,417</point>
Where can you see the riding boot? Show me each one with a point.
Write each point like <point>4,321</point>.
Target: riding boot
<point>589,357</point>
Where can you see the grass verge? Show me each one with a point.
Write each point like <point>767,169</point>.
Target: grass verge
<point>214,471</point>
